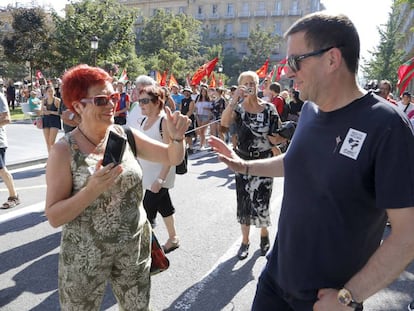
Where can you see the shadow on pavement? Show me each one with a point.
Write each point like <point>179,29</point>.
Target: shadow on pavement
<point>217,290</point>
<point>22,223</point>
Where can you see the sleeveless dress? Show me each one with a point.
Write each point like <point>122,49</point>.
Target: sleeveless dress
<point>109,240</point>
<point>254,192</point>
<point>52,120</point>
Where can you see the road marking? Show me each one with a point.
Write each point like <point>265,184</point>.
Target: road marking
<point>24,188</point>
<point>185,303</point>
<point>35,208</point>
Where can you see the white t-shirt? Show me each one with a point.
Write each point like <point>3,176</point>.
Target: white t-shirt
<point>151,170</point>
<point>402,107</point>
<point>3,108</point>
<point>135,117</point>
<point>203,108</point>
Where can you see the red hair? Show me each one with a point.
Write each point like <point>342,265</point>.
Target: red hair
<point>77,81</point>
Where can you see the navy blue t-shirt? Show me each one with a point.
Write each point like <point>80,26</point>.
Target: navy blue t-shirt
<point>343,169</point>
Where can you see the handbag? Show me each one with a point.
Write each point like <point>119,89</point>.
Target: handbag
<point>159,262</point>
<point>38,123</point>
<point>181,168</point>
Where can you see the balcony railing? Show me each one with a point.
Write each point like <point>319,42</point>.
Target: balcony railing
<point>199,16</point>
<point>244,14</point>
<point>260,13</point>
<point>276,13</point>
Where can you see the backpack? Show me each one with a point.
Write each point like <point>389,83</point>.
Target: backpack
<point>181,168</point>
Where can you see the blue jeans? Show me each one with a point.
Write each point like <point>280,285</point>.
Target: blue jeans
<point>270,297</point>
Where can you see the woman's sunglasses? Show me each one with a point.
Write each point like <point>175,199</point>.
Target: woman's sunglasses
<point>102,100</point>
<point>144,101</point>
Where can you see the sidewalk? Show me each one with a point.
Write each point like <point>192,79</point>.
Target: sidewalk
<point>26,145</point>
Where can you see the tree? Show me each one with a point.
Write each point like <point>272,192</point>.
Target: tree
<point>29,42</point>
<point>110,21</point>
<point>386,57</point>
<point>260,44</point>
<point>170,42</point>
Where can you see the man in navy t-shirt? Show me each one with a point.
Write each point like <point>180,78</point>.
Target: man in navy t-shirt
<point>349,149</point>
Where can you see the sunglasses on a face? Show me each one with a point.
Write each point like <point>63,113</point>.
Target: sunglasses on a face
<point>293,61</point>
<point>102,100</point>
<point>144,101</point>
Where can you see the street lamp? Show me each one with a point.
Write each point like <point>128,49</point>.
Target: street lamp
<point>94,47</point>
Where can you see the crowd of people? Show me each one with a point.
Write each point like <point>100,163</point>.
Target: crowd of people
<point>348,148</point>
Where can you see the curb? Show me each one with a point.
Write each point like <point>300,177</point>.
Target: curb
<point>18,165</point>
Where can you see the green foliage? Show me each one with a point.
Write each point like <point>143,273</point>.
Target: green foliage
<point>170,42</point>
<point>386,58</point>
<point>111,22</point>
<point>30,40</point>
<point>260,44</point>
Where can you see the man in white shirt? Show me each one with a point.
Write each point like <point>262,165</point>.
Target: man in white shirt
<point>134,116</point>
<point>405,104</point>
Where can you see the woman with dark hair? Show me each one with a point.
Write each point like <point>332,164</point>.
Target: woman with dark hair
<point>51,117</point>
<point>105,233</point>
<point>158,178</point>
<point>203,106</point>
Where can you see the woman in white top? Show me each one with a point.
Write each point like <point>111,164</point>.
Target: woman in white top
<point>157,178</point>
<point>203,106</point>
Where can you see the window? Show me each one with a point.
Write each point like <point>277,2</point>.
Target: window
<point>244,29</point>
<point>278,8</point>
<point>245,8</point>
<point>228,30</point>
<point>230,9</point>
<point>214,9</point>
<point>294,8</point>
<point>200,10</point>
<point>278,29</point>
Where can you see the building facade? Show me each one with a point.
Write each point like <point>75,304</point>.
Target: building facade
<point>233,20</point>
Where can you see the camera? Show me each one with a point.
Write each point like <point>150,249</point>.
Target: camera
<point>287,129</point>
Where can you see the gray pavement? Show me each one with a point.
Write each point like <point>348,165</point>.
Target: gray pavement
<point>26,145</point>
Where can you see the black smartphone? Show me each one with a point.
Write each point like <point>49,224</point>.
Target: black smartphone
<point>115,148</point>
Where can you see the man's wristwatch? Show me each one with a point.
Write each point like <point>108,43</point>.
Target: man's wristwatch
<point>345,298</point>
<point>161,181</point>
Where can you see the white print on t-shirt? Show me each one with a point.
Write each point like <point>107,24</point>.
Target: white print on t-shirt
<point>353,143</point>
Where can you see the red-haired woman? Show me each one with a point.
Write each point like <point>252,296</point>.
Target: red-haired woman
<point>105,234</point>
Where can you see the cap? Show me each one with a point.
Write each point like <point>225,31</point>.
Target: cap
<point>187,89</point>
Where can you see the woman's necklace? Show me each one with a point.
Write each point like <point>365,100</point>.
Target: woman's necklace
<point>98,147</point>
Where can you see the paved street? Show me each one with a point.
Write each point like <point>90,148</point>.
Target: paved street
<point>204,274</point>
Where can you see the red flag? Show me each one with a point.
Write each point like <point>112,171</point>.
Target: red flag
<point>172,81</point>
<point>163,81</point>
<point>39,75</point>
<point>405,74</point>
<point>203,71</point>
<point>213,81</point>
<point>158,77</point>
<point>262,71</point>
<point>281,69</point>
<point>123,77</point>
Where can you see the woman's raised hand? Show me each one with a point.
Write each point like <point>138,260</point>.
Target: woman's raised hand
<point>177,124</point>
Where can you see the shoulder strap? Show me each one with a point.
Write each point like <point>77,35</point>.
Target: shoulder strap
<point>162,118</point>
<point>131,139</point>
<point>142,122</point>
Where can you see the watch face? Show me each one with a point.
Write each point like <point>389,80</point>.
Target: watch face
<point>344,297</point>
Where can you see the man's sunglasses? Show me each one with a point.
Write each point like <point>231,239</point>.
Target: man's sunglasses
<point>144,101</point>
<point>294,60</point>
<point>102,100</point>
